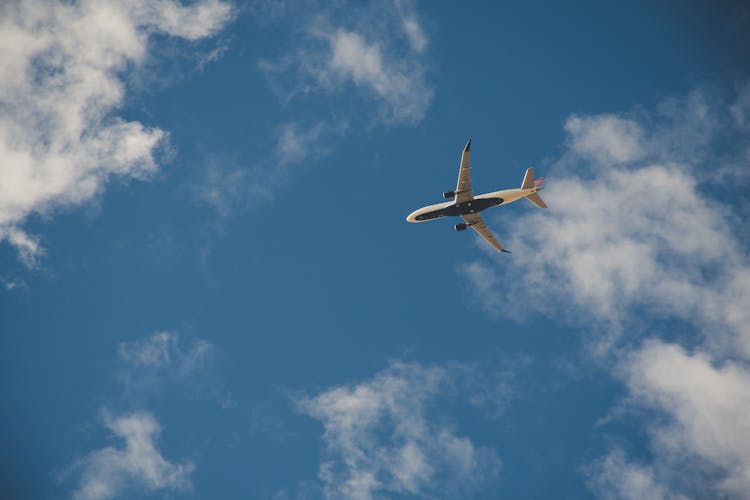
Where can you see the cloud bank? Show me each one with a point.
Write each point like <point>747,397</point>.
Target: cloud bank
<point>641,242</point>
<point>61,83</point>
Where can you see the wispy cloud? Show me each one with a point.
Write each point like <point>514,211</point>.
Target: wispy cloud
<point>380,438</point>
<point>613,477</point>
<point>633,242</point>
<point>28,247</point>
<point>112,471</point>
<point>365,63</point>
<point>377,49</point>
<point>401,89</point>
<point>61,83</point>
<point>145,367</point>
<point>412,26</point>
<point>297,144</point>
<point>162,350</point>
<point>12,283</point>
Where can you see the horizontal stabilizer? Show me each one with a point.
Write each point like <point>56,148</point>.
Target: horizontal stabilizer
<point>536,200</point>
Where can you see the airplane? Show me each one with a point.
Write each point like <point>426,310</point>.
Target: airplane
<point>468,206</point>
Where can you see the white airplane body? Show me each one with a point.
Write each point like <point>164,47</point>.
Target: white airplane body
<point>467,206</point>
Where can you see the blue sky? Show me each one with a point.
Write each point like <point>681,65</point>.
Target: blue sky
<point>209,289</point>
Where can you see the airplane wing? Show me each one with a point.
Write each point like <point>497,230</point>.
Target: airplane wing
<point>478,225</point>
<point>463,188</point>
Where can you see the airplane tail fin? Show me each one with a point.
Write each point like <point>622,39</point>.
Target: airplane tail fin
<point>528,179</point>
<point>529,182</point>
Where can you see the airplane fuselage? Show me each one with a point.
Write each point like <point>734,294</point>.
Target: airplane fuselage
<point>477,204</point>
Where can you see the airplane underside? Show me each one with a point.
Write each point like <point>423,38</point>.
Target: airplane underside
<point>458,209</point>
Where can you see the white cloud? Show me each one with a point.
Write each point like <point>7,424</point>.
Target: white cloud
<point>377,49</point>
<point>111,471</point>
<point>614,478</point>
<point>380,438</point>
<point>605,138</point>
<point>147,365</point>
<point>163,350</point>
<point>622,242</point>
<point>363,63</point>
<point>28,248</point>
<point>154,351</point>
<point>61,82</point>
<point>412,28</point>
<point>398,84</point>
<point>296,144</point>
<point>617,240</point>
<point>417,38</point>
<point>708,404</point>
<point>226,189</point>
<point>12,283</point>
<point>633,243</point>
<point>702,447</point>
<point>195,21</point>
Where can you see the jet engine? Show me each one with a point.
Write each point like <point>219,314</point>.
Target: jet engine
<point>461,226</point>
<point>449,194</point>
